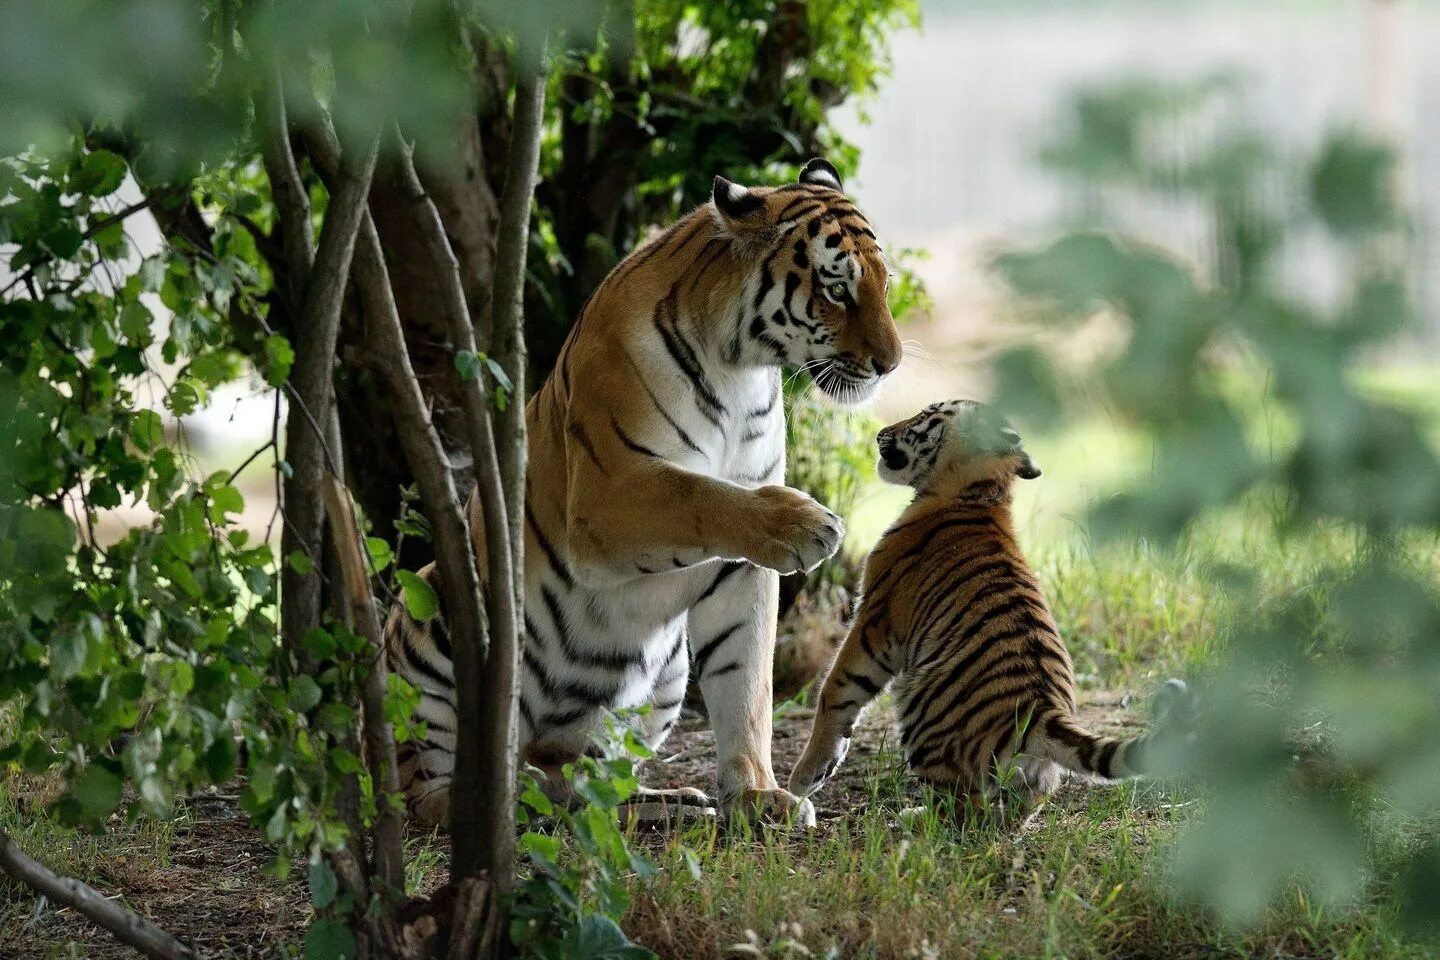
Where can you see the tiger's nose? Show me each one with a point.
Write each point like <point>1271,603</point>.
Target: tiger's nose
<point>883,365</point>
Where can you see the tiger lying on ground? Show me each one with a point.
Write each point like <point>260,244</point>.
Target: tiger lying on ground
<point>657,522</point>
<point>951,612</point>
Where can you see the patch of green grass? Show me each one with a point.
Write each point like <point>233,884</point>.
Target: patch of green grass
<point>1087,878</point>
<point>109,858</point>
<point>1090,877</point>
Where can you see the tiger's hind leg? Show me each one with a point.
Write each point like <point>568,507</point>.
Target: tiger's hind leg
<point>732,642</point>
<point>663,807</point>
<point>420,653</point>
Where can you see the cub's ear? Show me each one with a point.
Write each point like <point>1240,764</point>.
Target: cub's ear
<point>820,172</point>
<point>1027,470</point>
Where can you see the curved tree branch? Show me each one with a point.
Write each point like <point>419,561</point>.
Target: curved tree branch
<point>127,926</point>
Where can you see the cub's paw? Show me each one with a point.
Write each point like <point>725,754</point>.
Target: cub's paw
<point>793,531</point>
<point>816,765</point>
<point>776,807</point>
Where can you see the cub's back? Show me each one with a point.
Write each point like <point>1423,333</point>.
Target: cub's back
<point>981,651</point>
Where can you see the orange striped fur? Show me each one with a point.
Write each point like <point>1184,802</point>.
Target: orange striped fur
<point>953,615</point>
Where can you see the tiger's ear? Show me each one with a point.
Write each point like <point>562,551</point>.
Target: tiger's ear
<point>821,173</point>
<point>734,202</point>
<point>740,214</point>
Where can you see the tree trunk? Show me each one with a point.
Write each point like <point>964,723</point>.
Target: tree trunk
<point>311,394</point>
<point>497,733</point>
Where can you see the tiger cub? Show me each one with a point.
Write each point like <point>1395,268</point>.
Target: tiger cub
<point>951,612</point>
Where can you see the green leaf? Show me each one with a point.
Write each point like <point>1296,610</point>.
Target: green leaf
<point>135,321</point>
<point>304,694</point>
<point>381,556</point>
<point>1351,187</point>
<point>100,174</point>
<point>467,364</point>
<point>43,539</point>
<point>225,499</point>
<point>420,599</point>
<point>64,242</point>
<point>319,641</point>
<point>97,791</point>
<point>68,651</point>
<point>600,938</point>
<point>279,358</point>
<point>147,430</point>
<point>498,372</point>
<point>329,940</point>
<point>323,884</point>
<point>300,562</point>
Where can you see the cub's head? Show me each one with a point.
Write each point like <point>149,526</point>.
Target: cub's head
<point>816,281</point>
<point>960,441</point>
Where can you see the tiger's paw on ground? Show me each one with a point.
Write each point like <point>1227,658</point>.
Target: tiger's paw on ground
<point>775,807</point>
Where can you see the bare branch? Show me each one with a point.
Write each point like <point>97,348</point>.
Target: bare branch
<point>292,201</point>
<point>471,818</point>
<point>127,926</point>
<point>455,558</point>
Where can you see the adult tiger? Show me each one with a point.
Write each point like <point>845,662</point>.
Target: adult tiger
<point>655,508</point>
<point>953,614</point>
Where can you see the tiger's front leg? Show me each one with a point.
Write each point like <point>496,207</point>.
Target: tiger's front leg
<point>732,642</point>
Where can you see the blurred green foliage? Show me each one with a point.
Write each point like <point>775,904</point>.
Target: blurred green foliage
<point>1318,749</point>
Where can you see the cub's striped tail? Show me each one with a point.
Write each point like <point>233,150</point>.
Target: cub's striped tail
<point>1055,735</point>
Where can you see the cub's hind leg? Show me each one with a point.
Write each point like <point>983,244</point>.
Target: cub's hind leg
<point>732,640</point>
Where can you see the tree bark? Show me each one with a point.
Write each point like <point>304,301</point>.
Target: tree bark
<point>128,927</point>
<point>311,391</point>
<point>292,201</point>
<point>474,790</point>
<point>497,733</point>
<point>454,557</point>
<point>379,736</point>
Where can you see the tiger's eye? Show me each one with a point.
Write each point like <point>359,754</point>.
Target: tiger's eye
<point>839,290</point>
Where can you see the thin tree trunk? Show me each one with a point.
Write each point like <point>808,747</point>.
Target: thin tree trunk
<point>454,557</point>
<point>127,926</point>
<point>311,382</point>
<point>475,777</point>
<point>292,201</point>
<point>497,733</point>
<point>379,736</point>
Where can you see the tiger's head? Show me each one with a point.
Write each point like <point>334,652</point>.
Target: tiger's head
<point>815,296</point>
<point>959,439</point>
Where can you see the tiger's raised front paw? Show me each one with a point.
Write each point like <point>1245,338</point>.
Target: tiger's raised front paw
<point>794,532</point>
<point>777,807</point>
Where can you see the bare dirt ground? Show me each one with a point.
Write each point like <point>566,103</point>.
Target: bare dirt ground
<point>210,889</point>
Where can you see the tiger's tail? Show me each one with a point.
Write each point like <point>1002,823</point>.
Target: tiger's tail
<point>1055,735</point>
